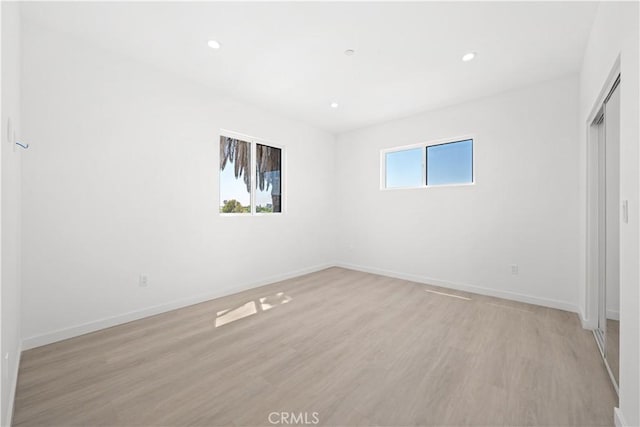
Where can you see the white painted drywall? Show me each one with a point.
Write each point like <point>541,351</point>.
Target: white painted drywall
<point>122,180</point>
<point>615,34</point>
<point>287,56</point>
<point>522,210</point>
<point>11,191</point>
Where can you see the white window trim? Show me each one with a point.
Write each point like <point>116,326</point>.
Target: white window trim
<point>424,145</point>
<point>283,162</point>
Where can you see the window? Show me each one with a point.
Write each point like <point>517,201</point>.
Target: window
<point>424,165</point>
<point>404,168</point>
<point>244,161</point>
<point>268,172</point>
<point>235,179</point>
<point>450,163</point>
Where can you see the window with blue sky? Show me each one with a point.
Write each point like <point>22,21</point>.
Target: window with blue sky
<point>450,163</point>
<point>404,168</point>
<point>440,164</point>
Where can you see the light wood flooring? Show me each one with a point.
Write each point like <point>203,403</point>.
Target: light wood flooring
<point>357,348</point>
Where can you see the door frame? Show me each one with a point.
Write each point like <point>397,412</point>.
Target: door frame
<point>590,320</point>
<point>593,248</point>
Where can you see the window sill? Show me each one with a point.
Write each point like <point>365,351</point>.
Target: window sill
<point>250,215</point>
<point>427,187</point>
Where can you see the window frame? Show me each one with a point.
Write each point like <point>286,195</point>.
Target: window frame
<point>423,146</point>
<point>253,141</point>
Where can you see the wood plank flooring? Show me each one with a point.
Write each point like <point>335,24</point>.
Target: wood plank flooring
<point>356,348</point>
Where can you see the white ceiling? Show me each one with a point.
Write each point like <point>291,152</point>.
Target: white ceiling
<point>288,57</point>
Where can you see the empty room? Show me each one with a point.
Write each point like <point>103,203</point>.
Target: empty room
<point>320,213</point>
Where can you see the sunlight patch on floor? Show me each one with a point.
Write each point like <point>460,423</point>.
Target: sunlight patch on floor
<point>250,308</point>
<point>448,295</point>
<point>241,312</point>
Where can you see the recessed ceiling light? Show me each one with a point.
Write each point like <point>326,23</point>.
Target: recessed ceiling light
<point>349,52</point>
<point>213,44</point>
<point>468,56</point>
<point>334,105</point>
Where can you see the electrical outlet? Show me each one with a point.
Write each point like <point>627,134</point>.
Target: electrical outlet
<point>514,269</point>
<point>143,280</point>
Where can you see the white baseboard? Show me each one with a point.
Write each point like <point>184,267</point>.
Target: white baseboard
<point>96,325</point>
<point>74,331</point>
<point>592,324</point>
<point>12,390</point>
<point>618,418</point>
<point>586,323</point>
<point>561,305</point>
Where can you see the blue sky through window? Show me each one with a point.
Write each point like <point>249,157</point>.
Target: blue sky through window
<point>263,198</point>
<point>450,163</point>
<point>404,168</point>
<point>232,188</point>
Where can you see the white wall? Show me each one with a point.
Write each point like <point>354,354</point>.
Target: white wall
<point>614,35</point>
<point>522,210</point>
<point>122,180</point>
<point>11,160</point>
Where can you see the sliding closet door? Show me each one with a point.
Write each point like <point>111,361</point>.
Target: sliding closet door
<point>612,309</point>
<point>602,234</point>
